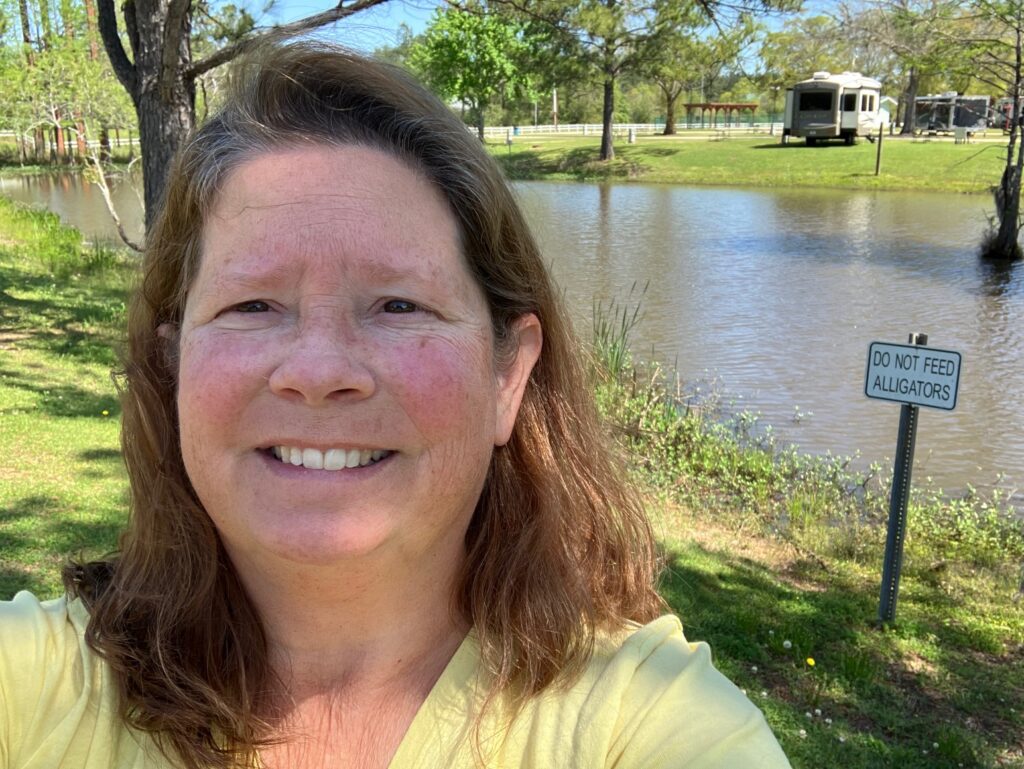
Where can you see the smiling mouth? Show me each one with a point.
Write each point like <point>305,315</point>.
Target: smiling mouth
<point>332,459</point>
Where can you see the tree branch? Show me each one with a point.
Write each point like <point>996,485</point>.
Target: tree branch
<point>174,26</point>
<point>229,52</point>
<point>122,66</point>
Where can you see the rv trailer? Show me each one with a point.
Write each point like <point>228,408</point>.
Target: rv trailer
<point>946,112</point>
<point>828,106</point>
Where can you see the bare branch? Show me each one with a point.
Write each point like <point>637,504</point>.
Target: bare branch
<point>282,32</point>
<point>101,182</point>
<point>122,66</point>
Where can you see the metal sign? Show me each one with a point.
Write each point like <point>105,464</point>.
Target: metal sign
<point>920,376</point>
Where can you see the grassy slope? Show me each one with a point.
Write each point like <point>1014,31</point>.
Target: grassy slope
<point>762,162</point>
<point>948,674</point>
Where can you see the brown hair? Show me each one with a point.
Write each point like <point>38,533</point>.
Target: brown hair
<point>558,548</point>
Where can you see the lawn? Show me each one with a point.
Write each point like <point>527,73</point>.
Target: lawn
<point>935,165</point>
<point>788,609</point>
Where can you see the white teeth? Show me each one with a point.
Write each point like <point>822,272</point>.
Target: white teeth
<point>332,459</point>
<point>313,459</point>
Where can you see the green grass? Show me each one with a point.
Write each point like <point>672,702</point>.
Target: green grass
<point>61,478</point>
<point>763,546</point>
<point>937,165</point>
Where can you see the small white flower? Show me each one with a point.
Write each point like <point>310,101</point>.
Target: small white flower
<point>924,751</point>
<point>803,734</point>
<point>828,721</point>
<point>817,711</point>
<point>764,693</point>
<point>771,632</point>
<point>787,644</point>
<point>935,746</point>
<point>842,738</point>
<point>808,715</point>
<point>753,668</point>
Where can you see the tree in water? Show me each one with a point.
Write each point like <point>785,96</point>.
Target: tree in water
<point>1000,61</point>
<point>160,75</point>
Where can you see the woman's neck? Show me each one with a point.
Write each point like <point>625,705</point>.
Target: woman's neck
<point>359,626</point>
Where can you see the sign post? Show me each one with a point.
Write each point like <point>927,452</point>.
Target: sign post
<point>913,375</point>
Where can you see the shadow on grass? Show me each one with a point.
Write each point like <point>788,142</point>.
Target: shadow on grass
<point>59,400</point>
<point>765,626</point>
<point>70,318</point>
<point>38,535</point>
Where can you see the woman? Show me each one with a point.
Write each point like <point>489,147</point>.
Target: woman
<point>371,522</point>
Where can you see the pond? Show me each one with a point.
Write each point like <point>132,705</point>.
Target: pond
<point>771,298</point>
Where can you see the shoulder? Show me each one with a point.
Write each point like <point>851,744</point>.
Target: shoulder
<point>58,701</point>
<point>34,634</point>
<point>659,702</point>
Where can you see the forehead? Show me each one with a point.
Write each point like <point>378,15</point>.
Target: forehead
<point>317,203</point>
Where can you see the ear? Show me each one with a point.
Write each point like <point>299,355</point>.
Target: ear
<point>511,381</point>
<point>170,336</point>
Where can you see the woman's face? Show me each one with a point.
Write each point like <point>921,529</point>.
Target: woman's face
<point>337,387</point>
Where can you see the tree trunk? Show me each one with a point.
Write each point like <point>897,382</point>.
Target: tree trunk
<point>910,101</point>
<point>58,137</point>
<point>607,147</point>
<point>91,30</point>
<point>39,139</point>
<point>1004,244</point>
<point>26,32</point>
<point>45,25</point>
<point>104,144</point>
<point>480,121</point>
<point>670,112</point>
<point>165,107</point>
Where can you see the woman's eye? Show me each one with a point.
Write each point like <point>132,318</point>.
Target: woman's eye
<point>253,306</point>
<point>400,305</point>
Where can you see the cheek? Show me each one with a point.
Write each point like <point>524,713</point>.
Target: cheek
<point>214,380</point>
<point>446,386</point>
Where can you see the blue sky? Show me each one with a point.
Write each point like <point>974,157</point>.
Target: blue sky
<point>363,31</point>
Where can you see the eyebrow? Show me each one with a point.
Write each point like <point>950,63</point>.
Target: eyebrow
<point>261,278</point>
<point>252,278</point>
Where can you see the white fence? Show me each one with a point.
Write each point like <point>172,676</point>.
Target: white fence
<point>618,129</point>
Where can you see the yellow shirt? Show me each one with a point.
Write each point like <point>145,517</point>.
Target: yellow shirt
<point>648,699</point>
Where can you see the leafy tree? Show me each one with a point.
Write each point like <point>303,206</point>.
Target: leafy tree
<point>693,56</point>
<point>472,56</point>
<point>610,38</point>
<point>808,45</point>
<point>160,75</point>
<point>920,34</point>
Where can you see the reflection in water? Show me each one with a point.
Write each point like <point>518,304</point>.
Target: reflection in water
<point>776,294</point>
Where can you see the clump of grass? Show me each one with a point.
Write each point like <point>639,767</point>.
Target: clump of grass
<point>38,237</point>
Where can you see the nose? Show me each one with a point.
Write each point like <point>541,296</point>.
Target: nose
<point>324,362</point>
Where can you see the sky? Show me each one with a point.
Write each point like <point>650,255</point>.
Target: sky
<point>363,31</point>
